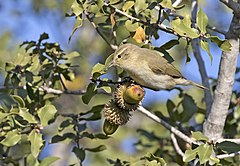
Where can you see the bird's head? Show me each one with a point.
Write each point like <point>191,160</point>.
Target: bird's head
<point>123,55</point>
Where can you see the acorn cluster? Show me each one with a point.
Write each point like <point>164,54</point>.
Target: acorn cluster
<point>127,98</point>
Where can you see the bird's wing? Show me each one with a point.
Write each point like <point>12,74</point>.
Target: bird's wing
<point>159,65</point>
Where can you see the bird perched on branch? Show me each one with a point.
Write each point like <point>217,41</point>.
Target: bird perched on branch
<point>148,68</point>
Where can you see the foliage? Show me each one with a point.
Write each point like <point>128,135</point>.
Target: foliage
<point>29,109</point>
<point>35,79</point>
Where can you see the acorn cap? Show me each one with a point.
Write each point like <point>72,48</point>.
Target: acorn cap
<point>115,114</point>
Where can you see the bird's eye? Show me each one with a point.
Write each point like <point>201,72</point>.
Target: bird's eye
<point>119,56</point>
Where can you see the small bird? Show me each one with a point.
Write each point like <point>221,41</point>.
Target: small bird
<point>148,68</point>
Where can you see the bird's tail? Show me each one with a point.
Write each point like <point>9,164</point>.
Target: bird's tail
<point>197,85</point>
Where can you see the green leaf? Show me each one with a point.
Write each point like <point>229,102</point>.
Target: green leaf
<point>101,136</point>
<point>213,161</point>
<point>97,149</point>
<point>204,152</point>
<point>189,107</point>
<point>30,91</point>
<point>223,44</point>
<point>131,27</point>
<point>189,155</point>
<point>46,114</point>
<point>205,46</point>
<point>43,36</point>
<point>31,160</point>
<point>108,61</point>
<point>140,5</point>
<point>91,91</point>
<point>199,136</point>
<point>167,4</point>
<point>112,2</point>
<point>228,147</point>
<point>187,20</point>
<point>36,141</point>
<point>165,14</point>
<point>98,70</point>
<point>73,54</point>
<point>106,88</point>
<point>152,157</point>
<point>59,138</point>
<point>77,8</point>
<point>9,66</point>
<point>48,160</point>
<point>127,5</point>
<point>3,115</point>
<point>77,25</point>
<point>202,21</point>
<point>183,30</point>
<point>80,153</point>
<point>11,139</point>
<point>170,108</point>
<point>170,44</point>
<point>23,112</point>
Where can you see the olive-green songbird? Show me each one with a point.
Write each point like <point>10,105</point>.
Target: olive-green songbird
<point>148,68</point>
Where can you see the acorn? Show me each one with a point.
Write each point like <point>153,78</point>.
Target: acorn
<point>109,128</point>
<point>134,94</point>
<point>128,96</point>
<point>114,114</point>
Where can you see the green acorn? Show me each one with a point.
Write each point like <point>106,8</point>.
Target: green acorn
<point>109,128</point>
<point>128,96</point>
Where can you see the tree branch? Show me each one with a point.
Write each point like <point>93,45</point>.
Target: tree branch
<point>214,124</point>
<point>114,47</point>
<point>201,65</point>
<point>48,90</point>
<point>167,126</point>
<point>222,156</point>
<point>237,141</point>
<point>159,26</point>
<point>176,146</point>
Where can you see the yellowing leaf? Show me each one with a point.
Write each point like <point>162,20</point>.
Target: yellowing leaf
<point>75,84</point>
<point>112,19</point>
<point>139,35</point>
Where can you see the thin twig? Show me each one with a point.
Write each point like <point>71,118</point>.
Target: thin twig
<point>201,65</point>
<point>47,90</point>
<point>167,126</point>
<point>114,47</point>
<point>176,146</point>
<point>159,26</point>
<point>59,92</point>
<point>237,141</point>
<point>222,156</point>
